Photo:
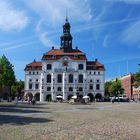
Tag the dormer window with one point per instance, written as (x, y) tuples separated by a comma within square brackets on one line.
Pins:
[(75, 56), (54, 56)]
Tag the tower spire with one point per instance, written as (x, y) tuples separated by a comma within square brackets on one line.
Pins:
[(66, 16)]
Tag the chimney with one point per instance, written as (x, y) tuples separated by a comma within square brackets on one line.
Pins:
[(96, 59), (52, 47)]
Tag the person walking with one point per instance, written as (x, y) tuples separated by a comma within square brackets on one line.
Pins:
[(16, 100)]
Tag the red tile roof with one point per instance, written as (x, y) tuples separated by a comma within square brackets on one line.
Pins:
[(57, 54), (95, 65), (34, 66)]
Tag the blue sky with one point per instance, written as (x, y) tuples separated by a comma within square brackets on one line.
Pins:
[(105, 29)]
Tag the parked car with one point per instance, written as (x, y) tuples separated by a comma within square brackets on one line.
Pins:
[(120, 99)]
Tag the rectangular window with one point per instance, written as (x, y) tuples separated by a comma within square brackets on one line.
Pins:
[(48, 88), (91, 87), (59, 89), (80, 78), (80, 89), (59, 78), (97, 86), (36, 86), (30, 86), (81, 67), (49, 66), (70, 89)]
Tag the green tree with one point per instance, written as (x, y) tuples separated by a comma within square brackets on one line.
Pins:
[(137, 78), (113, 88), (117, 87), (7, 75), (18, 88), (108, 88)]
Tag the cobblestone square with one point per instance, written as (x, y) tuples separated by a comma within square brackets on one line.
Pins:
[(62, 121)]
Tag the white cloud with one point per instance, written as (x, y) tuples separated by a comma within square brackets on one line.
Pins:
[(17, 46), (131, 34), (55, 10), (11, 18), (52, 14), (106, 41), (45, 40)]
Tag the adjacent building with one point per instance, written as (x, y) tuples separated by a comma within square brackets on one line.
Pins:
[(64, 72), (127, 82)]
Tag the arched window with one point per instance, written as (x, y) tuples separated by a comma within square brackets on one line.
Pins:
[(49, 66), (80, 78), (49, 78), (70, 78), (59, 78)]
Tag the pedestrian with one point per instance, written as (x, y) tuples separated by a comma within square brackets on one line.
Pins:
[(33, 101), (16, 100), (112, 100)]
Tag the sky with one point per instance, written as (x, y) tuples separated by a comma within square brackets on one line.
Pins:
[(105, 29)]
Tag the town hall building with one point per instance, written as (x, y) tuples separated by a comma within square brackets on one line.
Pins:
[(64, 72)]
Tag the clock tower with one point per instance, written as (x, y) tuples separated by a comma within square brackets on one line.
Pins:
[(66, 38)]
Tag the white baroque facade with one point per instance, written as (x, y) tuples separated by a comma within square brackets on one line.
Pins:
[(64, 72)]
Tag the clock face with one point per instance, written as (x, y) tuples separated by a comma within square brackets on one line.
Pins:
[(65, 61)]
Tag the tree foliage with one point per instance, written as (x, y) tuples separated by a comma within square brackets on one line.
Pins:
[(113, 88), (137, 78), (17, 88), (7, 75)]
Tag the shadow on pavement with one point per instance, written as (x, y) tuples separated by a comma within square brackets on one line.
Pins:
[(21, 120), (19, 109), (23, 105)]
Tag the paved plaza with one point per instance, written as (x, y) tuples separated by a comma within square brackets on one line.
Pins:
[(62, 121)]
